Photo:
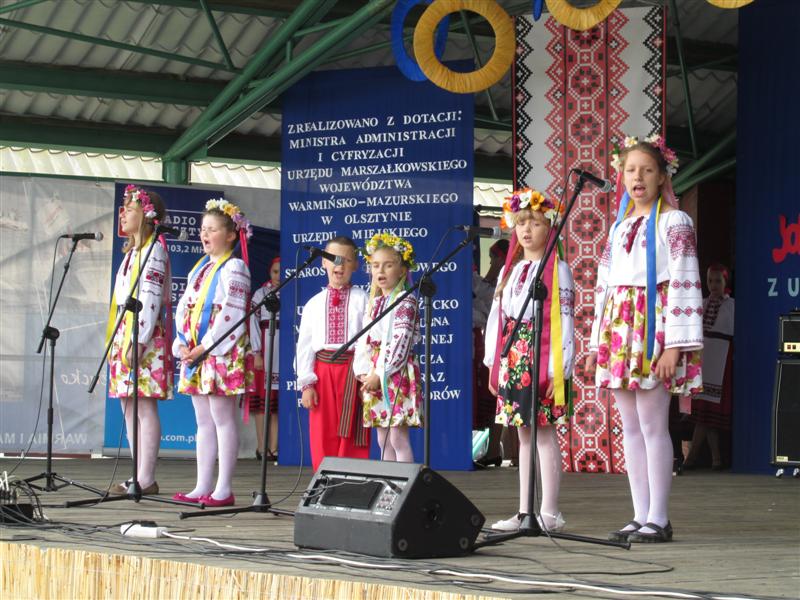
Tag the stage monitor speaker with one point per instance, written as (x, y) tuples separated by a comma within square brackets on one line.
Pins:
[(786, 414), (385, 509), (789, 332)]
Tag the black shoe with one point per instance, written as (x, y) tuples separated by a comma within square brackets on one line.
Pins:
[(622, 535), (484, 462), (258, 456), (659, 535)]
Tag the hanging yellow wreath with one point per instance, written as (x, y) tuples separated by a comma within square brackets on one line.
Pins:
[(475, 81), (729, 3), (581, 19)]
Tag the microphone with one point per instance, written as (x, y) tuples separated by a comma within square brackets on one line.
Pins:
[(604, 184), (475, 231), (173, 231), (76, 237), (337, 260)]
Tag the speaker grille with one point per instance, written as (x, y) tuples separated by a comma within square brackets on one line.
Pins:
[(786, 414)]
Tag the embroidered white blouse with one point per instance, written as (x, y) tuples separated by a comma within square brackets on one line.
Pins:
[(676, 263), (324, 326), (152, 283), (396, 343), (513, 299), (231, 295)]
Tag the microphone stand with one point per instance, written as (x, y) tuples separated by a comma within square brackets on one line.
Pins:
[(51, 333), (427, 289), (261, 502), (537, 292), (133, 306)]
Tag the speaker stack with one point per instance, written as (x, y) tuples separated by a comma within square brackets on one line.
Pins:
[(786, 399), (388, 509)]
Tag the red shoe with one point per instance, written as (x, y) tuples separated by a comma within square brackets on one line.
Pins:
[(184, 498), (214, 503)]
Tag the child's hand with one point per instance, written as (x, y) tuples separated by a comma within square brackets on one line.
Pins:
[(371, 383), (182, 352), (258, 362), (665, 367), (129, 357), (591, 363), (550, 389), (193, 354), (310, 400)]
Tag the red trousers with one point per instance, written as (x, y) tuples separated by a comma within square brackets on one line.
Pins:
[(324, 419)]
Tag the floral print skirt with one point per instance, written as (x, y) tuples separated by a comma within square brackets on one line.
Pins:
[(514, 384), (154, 380), (228, 375), (404, 406), (622, 345)]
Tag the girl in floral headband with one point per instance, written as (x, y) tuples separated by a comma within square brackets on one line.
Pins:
[(385, 362), (216, 297), (648, 327), (141, 211), (531, 216)]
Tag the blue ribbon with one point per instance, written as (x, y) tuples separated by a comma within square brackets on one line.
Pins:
[(405, 63), (537, 9), (651, 279)]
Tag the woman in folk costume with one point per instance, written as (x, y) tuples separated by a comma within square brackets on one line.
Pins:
[(142, 211), (256, 402), (216, 297), (648, 328), (532, 216), (711, 409), (385, 360)]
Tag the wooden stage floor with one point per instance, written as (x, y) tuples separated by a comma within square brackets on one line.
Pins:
[(734, 534)]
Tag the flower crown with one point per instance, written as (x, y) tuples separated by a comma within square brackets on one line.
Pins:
[(233, 211), (527, 199), (141, 197), (655, 140), (387, 240)]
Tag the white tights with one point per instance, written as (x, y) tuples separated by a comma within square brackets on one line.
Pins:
[(149, 436), (648, 452), (549, 463), (217, 435), (395, 444)]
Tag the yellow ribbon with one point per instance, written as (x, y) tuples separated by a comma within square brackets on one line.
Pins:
[(112, 312), (556, 346), (197, 311)]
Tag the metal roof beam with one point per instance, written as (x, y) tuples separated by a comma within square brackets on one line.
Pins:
[(97, 83), (19, 5), (266, 54), (217, 35), (106, 138), (78, 37), (256, 99)]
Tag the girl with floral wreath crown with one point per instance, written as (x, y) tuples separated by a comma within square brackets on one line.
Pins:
[(216, 296), (385, 361), (142, 210), (648, 327), (531, 217)]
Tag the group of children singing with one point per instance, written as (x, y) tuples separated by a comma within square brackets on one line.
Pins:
[(645, 341)]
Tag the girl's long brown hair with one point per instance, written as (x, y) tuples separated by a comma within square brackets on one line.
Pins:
[(146, 227)]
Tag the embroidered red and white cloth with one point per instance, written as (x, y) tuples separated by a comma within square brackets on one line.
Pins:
[(576, 95), (341, 322)]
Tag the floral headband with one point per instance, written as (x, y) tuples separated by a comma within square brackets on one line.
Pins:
[(527, 199), (233, 211), (398, 244), (655, 140), (142, 198)]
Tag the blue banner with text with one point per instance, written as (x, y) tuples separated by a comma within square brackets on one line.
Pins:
[(368, 151)]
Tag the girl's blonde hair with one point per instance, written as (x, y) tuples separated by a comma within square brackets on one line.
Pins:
[(147, 225)]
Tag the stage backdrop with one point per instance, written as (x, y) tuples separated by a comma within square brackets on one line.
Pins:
[(185, 208), (367, 151), (576, 94), (767, 218)]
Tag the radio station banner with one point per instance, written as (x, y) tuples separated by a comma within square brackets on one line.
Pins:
[(185, 211), (367, 151)]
